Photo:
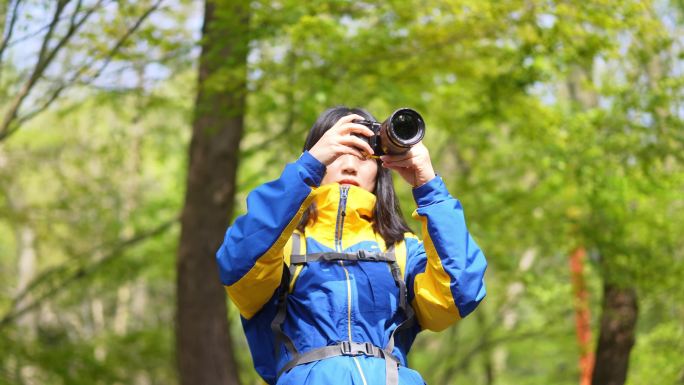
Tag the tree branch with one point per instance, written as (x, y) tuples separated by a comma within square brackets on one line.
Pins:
[(61, 4), (9, 30), (72, 20), (75, 78), (31, 35), (80, 272), (45, 57), (122, 40), (484, 344)]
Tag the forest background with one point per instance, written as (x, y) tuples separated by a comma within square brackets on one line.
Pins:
[(131, 132)]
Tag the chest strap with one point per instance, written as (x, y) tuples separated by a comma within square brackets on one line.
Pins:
[(343, 348), (361, 255), (346, 348)]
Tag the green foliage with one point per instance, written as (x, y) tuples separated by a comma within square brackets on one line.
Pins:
[(542, 121), (98, 182)]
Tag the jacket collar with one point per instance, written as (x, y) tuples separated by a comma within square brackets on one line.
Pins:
[(356, 223)]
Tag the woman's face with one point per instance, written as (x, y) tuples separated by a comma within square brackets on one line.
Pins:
[(351, 170)]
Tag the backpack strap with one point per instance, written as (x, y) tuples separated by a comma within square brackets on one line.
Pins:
[(404, 306), (277, 324), (361, 255), (344, 348)]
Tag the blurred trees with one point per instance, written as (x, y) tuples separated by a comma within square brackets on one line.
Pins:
[(88, 203), (557, 124), (545, 124)]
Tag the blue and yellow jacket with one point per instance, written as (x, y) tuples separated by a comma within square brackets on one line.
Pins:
[(333, 302)]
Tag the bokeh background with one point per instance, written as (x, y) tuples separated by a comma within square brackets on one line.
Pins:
[(132, 131)]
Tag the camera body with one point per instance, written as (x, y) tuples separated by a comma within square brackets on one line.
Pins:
[(397, 134)]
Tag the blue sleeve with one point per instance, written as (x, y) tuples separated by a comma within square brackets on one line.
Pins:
[(250, 258), (446, 270)]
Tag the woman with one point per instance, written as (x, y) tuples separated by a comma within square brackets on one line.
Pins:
[(331, 284)]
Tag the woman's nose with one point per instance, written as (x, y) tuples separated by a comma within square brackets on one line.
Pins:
[(349, 164)]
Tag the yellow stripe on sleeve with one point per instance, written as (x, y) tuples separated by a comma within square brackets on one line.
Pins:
[(433, 303)]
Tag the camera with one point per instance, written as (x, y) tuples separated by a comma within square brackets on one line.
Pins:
[(397, 134)]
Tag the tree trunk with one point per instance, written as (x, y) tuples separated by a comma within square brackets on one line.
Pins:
[(619, 310), (618, 323), (582, 315), (202, 334)]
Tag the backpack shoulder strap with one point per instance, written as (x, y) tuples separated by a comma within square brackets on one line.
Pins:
[(398, 269), (400, 255), (293, 247), (296, 245), (295, 259)]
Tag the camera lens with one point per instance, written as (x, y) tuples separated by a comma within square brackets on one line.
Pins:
[(405, 126), (403, 129)]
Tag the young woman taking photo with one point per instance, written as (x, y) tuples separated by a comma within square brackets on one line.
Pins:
[(331, 284)]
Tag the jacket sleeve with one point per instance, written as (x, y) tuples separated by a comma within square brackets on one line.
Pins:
[(445, 272), (250, 259)]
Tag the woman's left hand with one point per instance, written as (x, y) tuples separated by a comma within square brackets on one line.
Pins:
[(414, 166)]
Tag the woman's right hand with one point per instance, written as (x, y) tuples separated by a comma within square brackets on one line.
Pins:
[(339, 140)]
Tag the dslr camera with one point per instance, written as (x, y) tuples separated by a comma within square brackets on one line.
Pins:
[(397, 134)]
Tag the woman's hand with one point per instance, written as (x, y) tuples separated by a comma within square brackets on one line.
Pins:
[(414, 166), (338, 140)]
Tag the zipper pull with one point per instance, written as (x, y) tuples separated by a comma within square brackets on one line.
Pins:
[(343, 201)]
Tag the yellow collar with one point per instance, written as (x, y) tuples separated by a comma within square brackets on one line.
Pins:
[(357, 222)]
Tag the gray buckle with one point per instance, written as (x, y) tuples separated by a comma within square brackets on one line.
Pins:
[(365, 256), (354, 349), (346, 348)]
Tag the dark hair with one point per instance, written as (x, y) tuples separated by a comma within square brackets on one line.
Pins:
[(388, 219)]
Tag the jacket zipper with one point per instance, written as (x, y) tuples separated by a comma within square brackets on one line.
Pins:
[(339, 226), (341, 213)]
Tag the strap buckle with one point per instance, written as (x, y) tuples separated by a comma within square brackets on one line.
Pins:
[(366, 256), (346, 348), (354, 349)]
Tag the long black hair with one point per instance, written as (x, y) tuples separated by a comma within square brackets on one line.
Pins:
[(388, 219)]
